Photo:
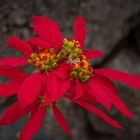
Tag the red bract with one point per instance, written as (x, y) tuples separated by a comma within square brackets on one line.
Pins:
[(21, 46), (16, 77), (37, 106), (87, 84), (46, 60), (36, 118), (32, 85)]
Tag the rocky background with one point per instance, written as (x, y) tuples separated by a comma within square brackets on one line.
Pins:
[(114, 27)]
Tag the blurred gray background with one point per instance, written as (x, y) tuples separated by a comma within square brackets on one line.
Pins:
[(113, 27)]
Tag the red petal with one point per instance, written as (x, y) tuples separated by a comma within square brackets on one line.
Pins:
[(72, 87), (120, 105), (47, 29), (62, 71), (34, 124), (61, 120), (87, 98), (97, 111), (12, 73), (13, 61), (13, 113), (8, 89), (129, 79), (106, 82), (95, 89), (29, 89), (90, 54), (51, 84), (80, 30), (62, 88), (49, 35), (109, 91), (79, 89), (20, 45), (45, 22), (37, 42)]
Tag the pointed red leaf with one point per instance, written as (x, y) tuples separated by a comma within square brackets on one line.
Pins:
[(45, 22), (49, 35), (120, 105), (13, 61), (20, 45), (72, 88), (61, 120), (37, 42), (29, 89), (51, 84), (109, 91), (129, 79), (13, 113), (8, 89), (62, 72), (96, 111), (107, 82), (12, 73), (79, 89), (62, 88), (85, 97), (90, 54), (34, 124), (80, 30), (89, 99), (95, 89)]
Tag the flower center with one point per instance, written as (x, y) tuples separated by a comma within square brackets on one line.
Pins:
[(73, 54), (45, 60), (41, 100)]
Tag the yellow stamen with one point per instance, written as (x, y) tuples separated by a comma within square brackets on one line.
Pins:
[(74, 55), (45, 60)]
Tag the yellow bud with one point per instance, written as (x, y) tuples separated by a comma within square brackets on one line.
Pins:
[(54, 65), (74, 55), (76, 66), (69, 50), (83, 56), (86, 77), (29, 61), (70, 44), (74, 73), (81, 74), (33, 55), (65, 41), (43, 66), (51, 50), (48, 68), (42, 55)]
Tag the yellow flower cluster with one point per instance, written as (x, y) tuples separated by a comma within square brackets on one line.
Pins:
[(74, 56), (46, 60), (71, 53)]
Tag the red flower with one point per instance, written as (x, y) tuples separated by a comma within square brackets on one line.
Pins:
[(62, 67), (46, 60), (48, 85), (87, 84)]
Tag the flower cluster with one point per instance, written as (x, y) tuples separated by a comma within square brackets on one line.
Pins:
[(63, 70)]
